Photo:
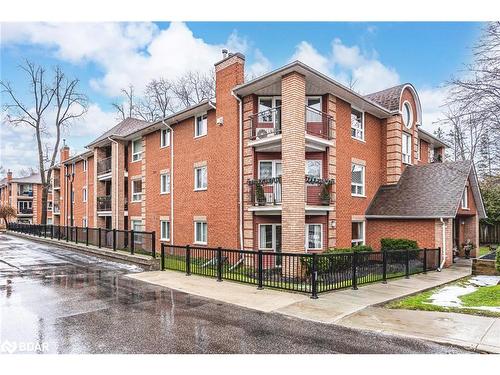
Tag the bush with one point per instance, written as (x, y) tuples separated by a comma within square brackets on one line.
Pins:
[(498, 259), (395, 244), (340, 260)]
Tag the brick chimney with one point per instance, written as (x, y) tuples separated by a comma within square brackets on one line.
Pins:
[(9, 175), (64, 152)]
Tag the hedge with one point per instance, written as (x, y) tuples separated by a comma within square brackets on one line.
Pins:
[(498, 259), (340, 262), (394, 244)]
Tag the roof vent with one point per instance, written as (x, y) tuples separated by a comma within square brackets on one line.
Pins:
[(224, 53)]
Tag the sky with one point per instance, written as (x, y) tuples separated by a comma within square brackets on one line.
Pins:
[(106, 57)]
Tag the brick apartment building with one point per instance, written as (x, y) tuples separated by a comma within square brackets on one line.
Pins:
[(291, 161)]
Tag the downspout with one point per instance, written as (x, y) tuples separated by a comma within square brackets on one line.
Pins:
[(443, 242), (87, 187), (117, 183), (240, 119), (171, 180)]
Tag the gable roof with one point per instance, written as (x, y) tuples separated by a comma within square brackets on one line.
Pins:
[(126, 127), (427, 191), (388, 98)]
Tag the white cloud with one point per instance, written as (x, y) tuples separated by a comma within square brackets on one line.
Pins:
[(306, 53), (259, 66), (432, 100)]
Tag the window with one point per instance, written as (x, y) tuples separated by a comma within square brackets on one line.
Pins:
[(269, 169), (313, 112), (358, 233), (84, 222), (407, 115), (49, 221), (313, 168), (465, 198), (200, 178), (358, 180), (200, 128), (200, 232), (84, 194), (314, 236), (165, 183), (85, 165), (406, 148), (165, 230), (357, 124), (137, 149), (136, 190), (265, 109), (49, 205), (165, 138), (270, 237), (137, 227)]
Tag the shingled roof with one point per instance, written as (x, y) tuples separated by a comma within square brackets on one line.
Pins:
[(388, 98), (427, 191), (128, 126)]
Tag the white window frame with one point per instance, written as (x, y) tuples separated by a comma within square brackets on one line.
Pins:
[(273, 237), (165, 186), (203, 225), (136, 155), (84, 222), (162, 230), (362, 130), (363, 184), (85, 165), (164, 141), (200, 188), (136, 196), (133, 225), (314, 113), (273, 100), (464, 203), (406, 143), (196, 135), (320, 167), (359, 241), (84, 194), (307, 236), (274, 169), (406, 104)]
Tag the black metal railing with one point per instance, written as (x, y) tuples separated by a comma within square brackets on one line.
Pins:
[(25, 211), (318, 123), (318, 191), (28, 193), (299, 272), (130, 241), (265, 192), (104, 166), (266, 123), (104, 203)]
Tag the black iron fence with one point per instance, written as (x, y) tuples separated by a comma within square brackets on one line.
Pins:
[(299, 272), (489, 234), (130, 241)]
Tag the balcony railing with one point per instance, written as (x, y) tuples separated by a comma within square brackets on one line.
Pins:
[(104, 166), (318, 191), (266, 123), (104, 203), (25, 211), (266, 191), (318, 123), (25, 193)]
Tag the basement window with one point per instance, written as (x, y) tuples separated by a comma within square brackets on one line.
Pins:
[(358, 233)]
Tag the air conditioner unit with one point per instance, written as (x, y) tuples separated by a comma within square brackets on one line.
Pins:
[(262, 133)]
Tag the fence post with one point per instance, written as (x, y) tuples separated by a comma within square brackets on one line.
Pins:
[(67, 234), (384, 267), (354, 271), (188, 260), (99, 239), (260, 270), (439, 258), (153, 246), (45, 231), (87, 236), (52, 231), (407, 264), (425, 260), (114, 239), (59, 232), (219, 264), (162, 257), (132, 242), (76, 234), (314, 277)]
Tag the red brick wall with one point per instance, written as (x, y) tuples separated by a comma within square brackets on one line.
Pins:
[(424, 152), (134, 170), (422, 231)]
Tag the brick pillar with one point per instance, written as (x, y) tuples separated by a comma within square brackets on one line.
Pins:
[(332, 171), (248, 169), (293, 92), (117, 184), (143, 179), (99, 187), (394, 149)]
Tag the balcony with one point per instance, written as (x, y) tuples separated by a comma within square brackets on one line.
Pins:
[(104, 168), (57, 183), (266, 129), (265, 192), (25, 194), (24, 211), (55, 209), (104, 203)]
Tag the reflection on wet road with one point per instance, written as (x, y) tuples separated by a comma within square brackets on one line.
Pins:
[(54, 300)]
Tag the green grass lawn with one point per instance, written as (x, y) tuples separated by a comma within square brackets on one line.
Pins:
[(483, 250), (484, 296)]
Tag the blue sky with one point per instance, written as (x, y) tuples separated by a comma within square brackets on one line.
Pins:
[(106, 57)]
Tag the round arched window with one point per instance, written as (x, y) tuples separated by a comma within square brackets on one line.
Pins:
[(407, 115)]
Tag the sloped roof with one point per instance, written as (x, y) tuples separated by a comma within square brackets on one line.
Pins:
[(126, 127), (32, 179), (388, 98), (427, 191)]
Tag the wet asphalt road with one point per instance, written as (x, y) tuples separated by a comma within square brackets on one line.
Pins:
[(54, 300)]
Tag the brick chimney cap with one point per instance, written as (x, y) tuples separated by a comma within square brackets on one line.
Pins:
[(229, 56)]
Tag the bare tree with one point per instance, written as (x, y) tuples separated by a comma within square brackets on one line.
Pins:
[(25, 172), (128, 107), (157, 102), (193, 87), (61, 98)]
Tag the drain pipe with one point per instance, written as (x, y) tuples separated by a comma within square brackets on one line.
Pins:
[(240, 119), (117, 183), (171, 180), (443, 242)]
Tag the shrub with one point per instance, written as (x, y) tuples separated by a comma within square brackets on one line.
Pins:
[(498, 259), (395, 244), (339, 260)]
